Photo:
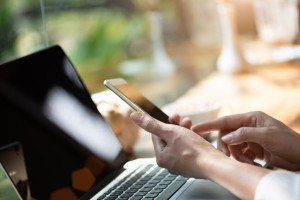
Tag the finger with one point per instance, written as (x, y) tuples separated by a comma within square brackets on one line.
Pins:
[(256, 149), (221, 145), (186, 122), (249, 154), (246, 134), (174, 119), (278, 161), (151, 125), (237, 153), (244, 145), (231, 122)]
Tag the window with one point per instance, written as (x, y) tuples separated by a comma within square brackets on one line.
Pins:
[(109, 39)]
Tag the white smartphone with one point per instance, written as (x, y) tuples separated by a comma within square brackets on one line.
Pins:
[(135, 99)]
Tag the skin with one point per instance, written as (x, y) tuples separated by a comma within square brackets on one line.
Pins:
[(255, 135), (184, 152)]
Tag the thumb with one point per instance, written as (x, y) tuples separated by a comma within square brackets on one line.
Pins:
[(149, 124), (245, 134)]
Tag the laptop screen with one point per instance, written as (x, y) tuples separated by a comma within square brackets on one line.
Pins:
[(68, 146)]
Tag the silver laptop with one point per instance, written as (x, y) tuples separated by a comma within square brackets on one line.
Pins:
[(7, 187), (12, 159), (70, 151)]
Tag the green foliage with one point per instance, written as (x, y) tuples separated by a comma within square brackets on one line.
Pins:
[(7, 35), (106, 41)]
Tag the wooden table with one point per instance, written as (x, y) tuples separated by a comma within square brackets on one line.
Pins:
[(274, 90)]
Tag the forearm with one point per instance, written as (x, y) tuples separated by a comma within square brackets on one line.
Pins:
[(239, 178)]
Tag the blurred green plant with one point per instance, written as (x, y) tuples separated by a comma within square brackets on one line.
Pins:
[(102, 46), (95, 38), (7, 34), (106, 41)]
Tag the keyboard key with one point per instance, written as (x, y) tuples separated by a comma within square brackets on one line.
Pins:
[(156, 190), (136, 198), (140, 194), (154, 181), (151, 195), (145, 189), (161, 187), (133, 190), (138, 186), (126, 195), (165, 182), (146, 183), (151, 185), (171, 190)]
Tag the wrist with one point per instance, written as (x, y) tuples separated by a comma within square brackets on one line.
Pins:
[(239, 178), (209, 163)]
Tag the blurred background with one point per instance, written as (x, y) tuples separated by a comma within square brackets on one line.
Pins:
[(161, 47)]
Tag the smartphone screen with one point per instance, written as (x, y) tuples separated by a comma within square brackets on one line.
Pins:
[(135, 99)]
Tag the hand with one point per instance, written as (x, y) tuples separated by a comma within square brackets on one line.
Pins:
[(175, 119), (178, 149), (183, 152), (256, 135)]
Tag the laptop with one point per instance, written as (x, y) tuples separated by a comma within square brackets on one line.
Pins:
[(12, 159), (69, 149), (7, 187)]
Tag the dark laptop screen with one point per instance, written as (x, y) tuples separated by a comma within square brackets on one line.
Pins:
[(68, 146)]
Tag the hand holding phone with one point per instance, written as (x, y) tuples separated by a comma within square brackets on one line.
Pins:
[(135, 99)]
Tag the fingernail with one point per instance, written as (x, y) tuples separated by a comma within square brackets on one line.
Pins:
[(227, 138), (136, 116)]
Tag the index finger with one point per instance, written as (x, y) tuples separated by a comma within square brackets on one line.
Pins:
[(151, 125), (231, 122)]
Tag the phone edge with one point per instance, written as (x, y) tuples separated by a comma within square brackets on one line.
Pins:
[(133, 105)]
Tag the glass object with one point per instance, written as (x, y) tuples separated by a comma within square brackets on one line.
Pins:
[(276, 20), (231, 59), (162, 65)]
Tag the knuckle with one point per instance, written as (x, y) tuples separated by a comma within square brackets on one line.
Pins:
[(258, 113), (257, 118), (149, 124), (253, 120), (242, 133), (160, 162)]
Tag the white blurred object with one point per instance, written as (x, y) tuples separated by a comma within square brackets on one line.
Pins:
[(231, 59), (277, 20), (162, 65), (198, 110), (258, 53), (286, 53)]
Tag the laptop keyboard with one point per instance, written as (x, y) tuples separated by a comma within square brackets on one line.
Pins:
[(146, 182)]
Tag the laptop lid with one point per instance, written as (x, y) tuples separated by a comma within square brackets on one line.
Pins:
[(69, 148), (7, 187)]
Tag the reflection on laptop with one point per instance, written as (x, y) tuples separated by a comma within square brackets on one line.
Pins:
[(70, 150)]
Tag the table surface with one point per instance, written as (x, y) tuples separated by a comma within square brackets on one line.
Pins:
[(272, 89)]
